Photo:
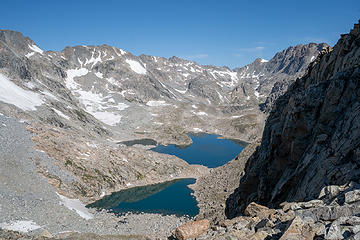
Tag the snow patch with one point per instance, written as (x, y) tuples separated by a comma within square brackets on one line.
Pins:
[(60, 114), (185, 74), (13, 94), (197, 129), (156, 103), (180, 91), (95, 104), (75, 204), (36, 49), (71, 74), (29, 85), (48, 94), (312, 58), (93, 60), (136, 66), (20, 226), (107, 117), (264, 60), (99, 74), (201, 113), (29, 54)]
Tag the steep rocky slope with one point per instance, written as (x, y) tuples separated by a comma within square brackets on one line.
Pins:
[(312, 135)]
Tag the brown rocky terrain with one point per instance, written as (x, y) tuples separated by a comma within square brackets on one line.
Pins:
[(102, 168)]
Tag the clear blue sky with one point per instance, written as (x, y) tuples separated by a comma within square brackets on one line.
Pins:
[(218, 32)]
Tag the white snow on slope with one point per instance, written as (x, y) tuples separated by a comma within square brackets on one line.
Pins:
[(200, 113), (263, 60), (95, 103), (36, 49), (21, 226), (99, 74), (180, 91), (312, 58), (197, 129), (136, 66), (70, 83), (156, 103), (61, 114), (109, 118), (93, 60), (75, 204), (29, 54), (13, 94)]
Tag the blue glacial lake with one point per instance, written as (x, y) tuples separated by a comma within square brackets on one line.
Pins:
[(173, 197), (165, 198), (207, 150)]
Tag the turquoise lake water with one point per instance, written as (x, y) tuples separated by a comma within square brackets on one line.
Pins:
[(173, 197)]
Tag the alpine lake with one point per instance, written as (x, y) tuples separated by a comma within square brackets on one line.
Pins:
[(173, 197)]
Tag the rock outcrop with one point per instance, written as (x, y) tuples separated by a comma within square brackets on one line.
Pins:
[(312, 136), (327, 217), (192, 229)]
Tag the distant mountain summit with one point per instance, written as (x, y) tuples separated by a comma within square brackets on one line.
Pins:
[(267, 80)]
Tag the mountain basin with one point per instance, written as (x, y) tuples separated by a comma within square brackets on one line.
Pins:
[(173, 197)]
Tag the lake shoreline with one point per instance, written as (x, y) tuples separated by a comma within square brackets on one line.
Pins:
[(214, 150)]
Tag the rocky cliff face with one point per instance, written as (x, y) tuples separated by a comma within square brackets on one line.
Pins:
[(312, 135)]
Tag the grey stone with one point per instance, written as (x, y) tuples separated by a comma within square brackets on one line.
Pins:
[(352, 196)]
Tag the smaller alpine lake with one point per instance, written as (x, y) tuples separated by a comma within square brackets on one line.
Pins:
[(173, 197), (207, 149)]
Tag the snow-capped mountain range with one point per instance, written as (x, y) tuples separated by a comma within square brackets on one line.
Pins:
[(108, 91)]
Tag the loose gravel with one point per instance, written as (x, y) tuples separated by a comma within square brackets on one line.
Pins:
[(26, 196)]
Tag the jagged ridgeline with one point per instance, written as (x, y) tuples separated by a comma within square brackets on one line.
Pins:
[(312, 135), (109, 91)]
